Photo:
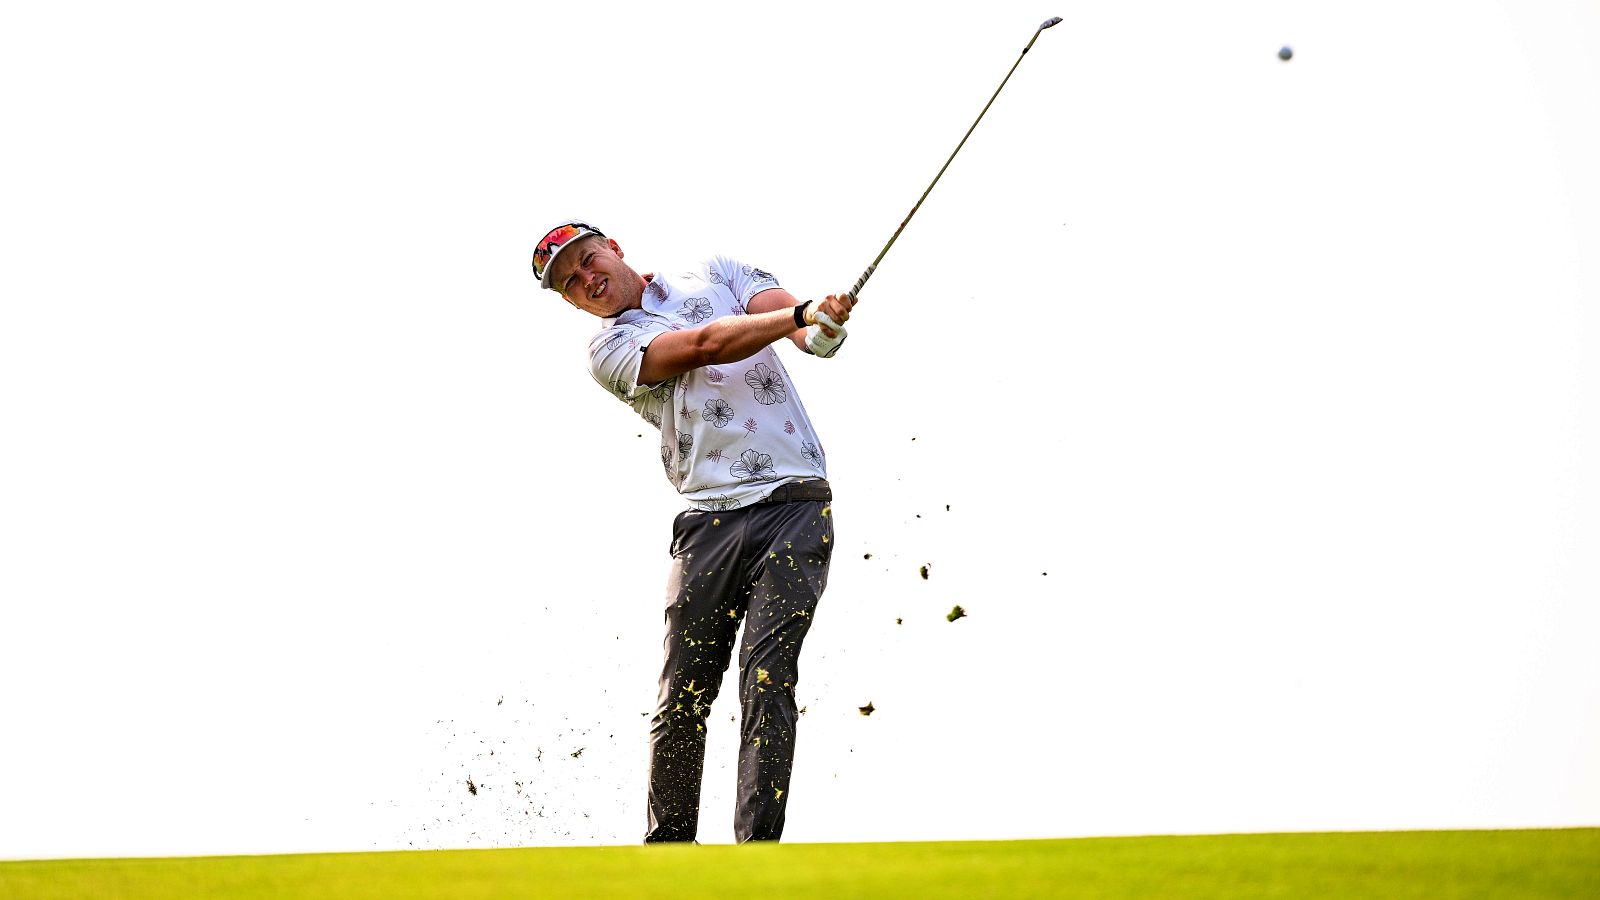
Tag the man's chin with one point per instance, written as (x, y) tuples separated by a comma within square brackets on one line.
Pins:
[(623, 306)]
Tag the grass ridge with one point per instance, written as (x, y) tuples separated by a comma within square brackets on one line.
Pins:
[(1488, 863)]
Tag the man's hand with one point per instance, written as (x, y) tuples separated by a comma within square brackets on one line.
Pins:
[(827, 332), (826, 337), (831, 312)]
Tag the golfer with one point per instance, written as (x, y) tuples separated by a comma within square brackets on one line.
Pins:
[(692, 353)]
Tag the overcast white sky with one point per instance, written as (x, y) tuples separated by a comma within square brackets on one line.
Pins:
[(1250, 408)]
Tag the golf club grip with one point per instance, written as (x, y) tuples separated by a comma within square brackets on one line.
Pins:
[(862, 281)]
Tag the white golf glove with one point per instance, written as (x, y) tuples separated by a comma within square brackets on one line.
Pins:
[(820, 344)]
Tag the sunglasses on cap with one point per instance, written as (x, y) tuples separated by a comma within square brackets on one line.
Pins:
[(546, 251)]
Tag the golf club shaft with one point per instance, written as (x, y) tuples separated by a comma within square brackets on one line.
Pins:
[(861, 282)]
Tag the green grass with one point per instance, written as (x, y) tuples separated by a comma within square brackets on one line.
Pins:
[(1420, 864)]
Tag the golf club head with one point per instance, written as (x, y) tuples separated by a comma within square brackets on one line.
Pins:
[(1053, 20)]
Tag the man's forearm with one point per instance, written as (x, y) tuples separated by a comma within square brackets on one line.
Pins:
[(732, 338)]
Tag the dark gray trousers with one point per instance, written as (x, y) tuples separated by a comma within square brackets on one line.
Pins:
[(766, 565)]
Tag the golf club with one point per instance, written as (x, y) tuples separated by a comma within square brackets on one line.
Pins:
[(861, 282)]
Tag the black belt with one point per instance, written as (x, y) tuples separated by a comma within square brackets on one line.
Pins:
[(815, 489)]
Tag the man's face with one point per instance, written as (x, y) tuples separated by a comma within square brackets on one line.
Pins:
[(591, 275)]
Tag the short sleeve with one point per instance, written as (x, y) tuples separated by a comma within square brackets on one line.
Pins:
[(615, 356), (743, 280)]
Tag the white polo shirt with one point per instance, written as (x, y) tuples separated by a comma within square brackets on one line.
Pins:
[(729, 433)]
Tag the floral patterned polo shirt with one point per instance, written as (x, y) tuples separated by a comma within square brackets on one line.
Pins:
[(729, 433)]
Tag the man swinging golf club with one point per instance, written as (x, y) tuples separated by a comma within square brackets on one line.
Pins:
[(692, 354)]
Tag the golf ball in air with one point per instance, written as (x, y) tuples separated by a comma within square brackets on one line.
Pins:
[(1285, 53)]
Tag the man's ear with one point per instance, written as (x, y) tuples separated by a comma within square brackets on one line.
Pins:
[(615, 247)]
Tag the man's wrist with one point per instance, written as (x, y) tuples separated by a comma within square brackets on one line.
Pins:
[(800, 314)]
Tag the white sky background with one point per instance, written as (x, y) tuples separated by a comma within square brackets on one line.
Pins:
[(1284, 373)]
